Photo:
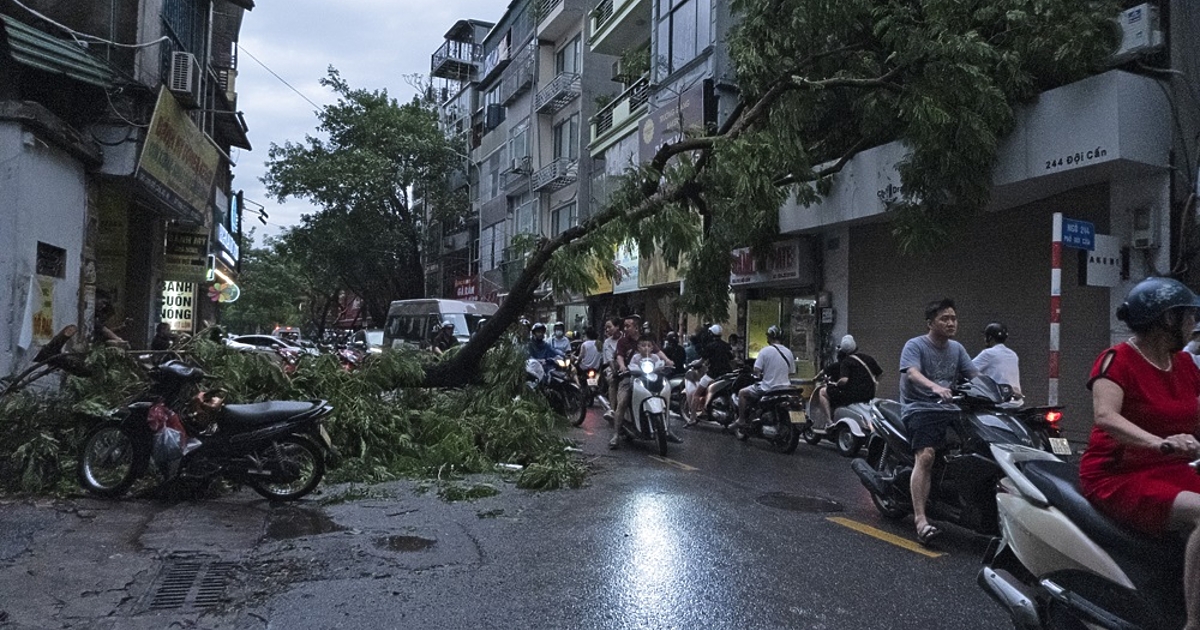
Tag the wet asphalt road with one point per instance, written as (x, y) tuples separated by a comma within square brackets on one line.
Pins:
[(720, 534)]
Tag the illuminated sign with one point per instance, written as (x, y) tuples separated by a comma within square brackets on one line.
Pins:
[(178, 305)]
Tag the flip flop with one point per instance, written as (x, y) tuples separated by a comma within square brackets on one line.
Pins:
[(926, 535)]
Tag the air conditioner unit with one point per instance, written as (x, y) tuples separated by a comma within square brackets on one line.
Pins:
[(519, 164), (184, 78), (1141, 32)]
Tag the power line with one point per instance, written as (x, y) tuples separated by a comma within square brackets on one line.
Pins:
[(281, 79)]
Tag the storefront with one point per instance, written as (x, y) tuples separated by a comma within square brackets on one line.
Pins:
[(779, 290)]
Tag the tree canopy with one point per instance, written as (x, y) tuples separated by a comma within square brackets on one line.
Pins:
[(378, 166)]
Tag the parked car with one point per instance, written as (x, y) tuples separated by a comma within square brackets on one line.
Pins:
[(267, 343), (368, 340)]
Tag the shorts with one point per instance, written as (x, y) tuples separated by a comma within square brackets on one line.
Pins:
[(927, 429)]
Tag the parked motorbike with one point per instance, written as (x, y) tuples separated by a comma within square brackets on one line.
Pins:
[(848, 428), (777, 417), (278, 448), (964, 474), (649, 403), (350, 357), (1059, 563), (554, 378)]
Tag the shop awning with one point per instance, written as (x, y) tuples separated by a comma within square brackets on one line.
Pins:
[(35, 49)]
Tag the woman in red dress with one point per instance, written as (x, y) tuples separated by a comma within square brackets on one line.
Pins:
[(1146, 395)]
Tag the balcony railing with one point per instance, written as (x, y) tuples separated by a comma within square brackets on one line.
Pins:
[(601, 15), (456, 60), (625, 104), (555, 96), (556, 175)]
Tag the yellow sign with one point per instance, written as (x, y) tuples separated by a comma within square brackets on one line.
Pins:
[(43, 318), (760, 315), (654, 271), (178, 163)]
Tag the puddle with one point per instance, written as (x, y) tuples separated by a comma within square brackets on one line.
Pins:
[(295, 522), (798, 503), (404, 543)]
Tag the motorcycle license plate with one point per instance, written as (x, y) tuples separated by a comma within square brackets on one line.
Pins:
[(593, 381), (1060, 446), (325, 436), (797, 416)]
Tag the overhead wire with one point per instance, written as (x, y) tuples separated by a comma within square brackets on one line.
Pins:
[(281, 79), (77, 35)]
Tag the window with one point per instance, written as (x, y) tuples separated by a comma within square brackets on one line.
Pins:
[(566, 138), (684, 28), (492, 171), (562, 218), (51, 261), (487, 251), (567, 59), (518, 141), (526, 219)]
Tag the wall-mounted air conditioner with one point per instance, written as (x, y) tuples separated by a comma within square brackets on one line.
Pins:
[(1141, 32), (520, 165), (184, 79)]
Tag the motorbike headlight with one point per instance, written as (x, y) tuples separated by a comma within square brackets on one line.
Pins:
[(562, 363), (647, 366)]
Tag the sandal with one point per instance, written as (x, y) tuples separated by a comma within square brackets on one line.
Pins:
[(926, 535)]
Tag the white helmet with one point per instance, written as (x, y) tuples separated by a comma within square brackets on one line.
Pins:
[(715, 329)]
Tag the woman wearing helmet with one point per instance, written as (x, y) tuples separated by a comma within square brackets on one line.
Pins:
[(1146, 396), (560, 341), (997, 361)]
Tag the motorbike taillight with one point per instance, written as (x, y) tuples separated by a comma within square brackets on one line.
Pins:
[(1053, 417)]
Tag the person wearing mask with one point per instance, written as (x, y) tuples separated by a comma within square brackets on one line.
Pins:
[(538, 348), (612, 335), (774, 364), (851, 380), (675, 351), (929, 366), (1146, 398), (445, 338), (626, 348), (997, 361), (560, 341)]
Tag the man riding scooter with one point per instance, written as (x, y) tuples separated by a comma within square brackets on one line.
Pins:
[(626, 348), (774, 364)]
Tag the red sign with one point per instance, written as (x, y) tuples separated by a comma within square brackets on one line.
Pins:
[(466, 289), (783, 264)]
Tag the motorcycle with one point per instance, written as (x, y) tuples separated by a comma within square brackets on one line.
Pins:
[(596, 380), (554, 379), (721, 408), (279, 448), (964, 474), (649, 403), (847, 429), (350, 357), (1044, 424), (1059, 563), (777, 418)]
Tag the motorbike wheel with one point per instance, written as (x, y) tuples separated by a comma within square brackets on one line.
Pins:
[(574, 406), (659, 422), (811, 437), (720, 410), (848, 444), (787, 436), (108, 461), (295, 466), (887, 507)]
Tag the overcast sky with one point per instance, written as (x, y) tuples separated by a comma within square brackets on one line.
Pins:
[(373, 43)]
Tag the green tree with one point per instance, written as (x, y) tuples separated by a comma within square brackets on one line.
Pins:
[(273, 287), (367, 235), (820, 81)]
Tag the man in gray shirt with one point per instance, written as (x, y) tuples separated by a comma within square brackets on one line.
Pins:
[(929, 366)]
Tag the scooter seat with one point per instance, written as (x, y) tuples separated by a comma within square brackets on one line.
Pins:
[(1059, 481), (266, 412), (890, 410)]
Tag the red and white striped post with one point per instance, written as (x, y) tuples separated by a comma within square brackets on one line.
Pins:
[(1055, 305)]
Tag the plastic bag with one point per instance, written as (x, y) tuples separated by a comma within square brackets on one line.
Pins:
[(170, 439)]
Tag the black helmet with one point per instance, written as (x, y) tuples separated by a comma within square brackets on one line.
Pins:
[(538, 326), (774, 333), (672, 336), (1152, 297), (997, 331)]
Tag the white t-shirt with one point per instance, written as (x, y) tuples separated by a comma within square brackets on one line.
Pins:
[(776, 366), (610, 350), (1000, 363), (589, 355)]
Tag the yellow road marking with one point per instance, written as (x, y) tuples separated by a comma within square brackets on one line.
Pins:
[(910, 545), (674, 463)]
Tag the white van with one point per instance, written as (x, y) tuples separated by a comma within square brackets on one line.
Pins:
[(415, 322)]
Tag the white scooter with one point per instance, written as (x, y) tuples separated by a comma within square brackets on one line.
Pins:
[(848, 428), (1059, 563), (649, 403)]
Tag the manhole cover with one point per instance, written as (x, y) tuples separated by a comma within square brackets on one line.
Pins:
[(798, 503), (294, 522), (404, 543), (190, 584)]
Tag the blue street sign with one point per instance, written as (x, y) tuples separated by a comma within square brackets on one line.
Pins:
[(1078, 234)]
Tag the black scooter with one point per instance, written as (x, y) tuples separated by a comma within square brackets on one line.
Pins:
[(964, 473), (777, 417), (278, 448)]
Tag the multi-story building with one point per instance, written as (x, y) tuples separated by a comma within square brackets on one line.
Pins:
[(116, 123)]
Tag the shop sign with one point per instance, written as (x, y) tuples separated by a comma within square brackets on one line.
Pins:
[(229, 247), (668, 123), (782, 265), (178, 305), (43, 318), (627, 262), (466, 289), (178, 163), (604, 284), (1104, 262), (654, 271), (186, 255)]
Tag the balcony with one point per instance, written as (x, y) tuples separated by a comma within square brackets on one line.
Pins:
[(558, 18), (495, 61), (556, 175), (516, 176), (558, 94), (615, 26), (619, 118), (456, 60), (519, 76)]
